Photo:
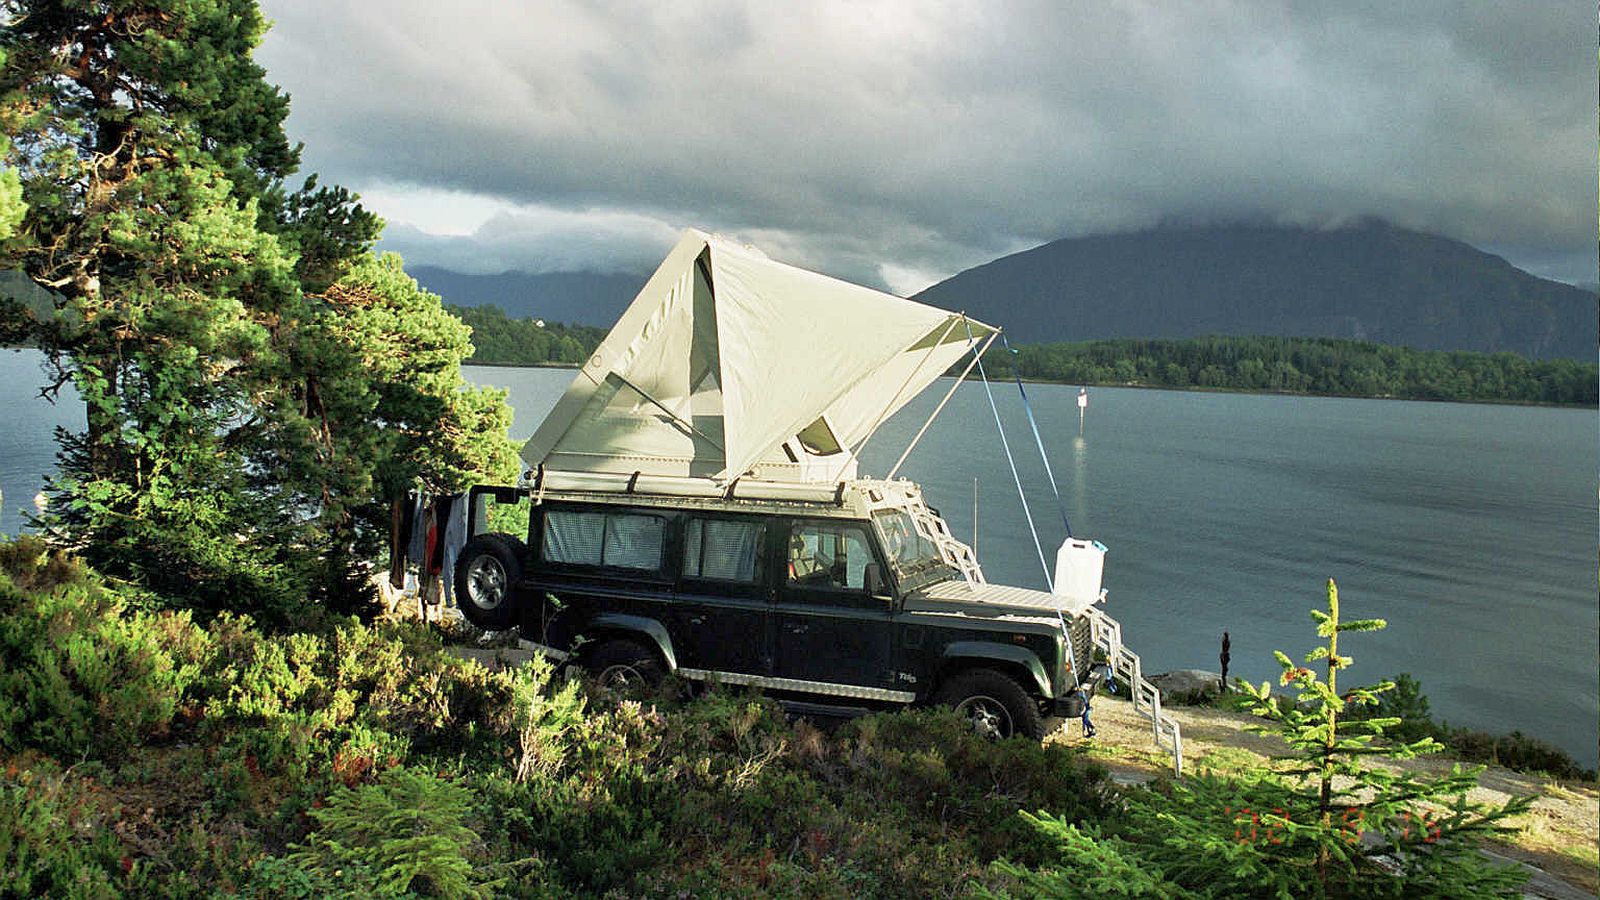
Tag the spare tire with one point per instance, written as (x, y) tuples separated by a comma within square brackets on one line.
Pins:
[(486, 577)]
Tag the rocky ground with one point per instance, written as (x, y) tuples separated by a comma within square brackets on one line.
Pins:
[(1559, 838)]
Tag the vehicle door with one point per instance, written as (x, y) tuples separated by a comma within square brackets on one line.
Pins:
[(721, 618), (830, 627), (596, 559)]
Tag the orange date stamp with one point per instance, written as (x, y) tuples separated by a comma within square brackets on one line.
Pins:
[(1251, 828)]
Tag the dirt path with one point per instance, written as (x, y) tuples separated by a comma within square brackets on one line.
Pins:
[(1560, 836)]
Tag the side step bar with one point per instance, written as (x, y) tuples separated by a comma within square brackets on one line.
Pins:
[(808, 708)]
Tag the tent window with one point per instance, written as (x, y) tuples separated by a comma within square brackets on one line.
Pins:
[(818, 439), (613, 540), (722, 550)]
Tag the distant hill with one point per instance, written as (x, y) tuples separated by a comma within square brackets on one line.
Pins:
[(576, 298), (1372, 281)]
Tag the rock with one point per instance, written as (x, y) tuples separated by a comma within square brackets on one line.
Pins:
[(1187, 685)]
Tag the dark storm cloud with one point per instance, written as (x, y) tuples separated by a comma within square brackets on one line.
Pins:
[(899, 142)]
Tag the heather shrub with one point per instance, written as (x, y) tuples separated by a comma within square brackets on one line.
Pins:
[(53, 836), (404, 835), (583, 790), (82, 674)]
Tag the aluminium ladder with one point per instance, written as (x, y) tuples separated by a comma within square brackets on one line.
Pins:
[(951, 550), (1106, 634)]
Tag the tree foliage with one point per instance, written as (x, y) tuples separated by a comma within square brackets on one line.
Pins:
[(256, 386), (1323, 366), (11, 205)]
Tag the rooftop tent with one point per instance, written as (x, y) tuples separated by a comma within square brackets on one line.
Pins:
[(727, 362)]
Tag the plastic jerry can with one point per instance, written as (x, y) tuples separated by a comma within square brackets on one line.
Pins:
[(1079, 567)]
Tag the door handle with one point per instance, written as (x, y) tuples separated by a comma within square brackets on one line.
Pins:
[(697, 620), (794, 628)]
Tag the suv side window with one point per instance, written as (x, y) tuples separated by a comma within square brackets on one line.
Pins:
[(829, 555), (615, 540), (723, 549)]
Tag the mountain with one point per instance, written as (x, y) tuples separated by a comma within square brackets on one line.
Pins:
[(1372, 281), (576, 298)]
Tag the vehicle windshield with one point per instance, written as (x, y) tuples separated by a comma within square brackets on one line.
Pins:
[(915, 559)]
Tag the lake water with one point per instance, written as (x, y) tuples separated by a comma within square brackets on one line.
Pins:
[(1472, 529)]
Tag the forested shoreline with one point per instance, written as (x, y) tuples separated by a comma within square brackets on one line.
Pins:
[(500, 340), (1317, 366), (1313, 366)]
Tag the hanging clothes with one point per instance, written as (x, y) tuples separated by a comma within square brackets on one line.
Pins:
[(417, 546), (455, 538), (431, 547), (399, 538)]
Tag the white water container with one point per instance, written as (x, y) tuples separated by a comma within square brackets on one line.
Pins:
[(1079, 566)]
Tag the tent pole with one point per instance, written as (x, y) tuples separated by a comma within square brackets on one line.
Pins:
[(675, 417), (936, 410)]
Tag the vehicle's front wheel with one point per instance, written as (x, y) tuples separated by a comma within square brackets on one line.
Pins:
[(486, 576), (995, 705), (625, 665)]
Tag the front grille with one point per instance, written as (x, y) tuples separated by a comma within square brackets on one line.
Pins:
[(1081, 638)]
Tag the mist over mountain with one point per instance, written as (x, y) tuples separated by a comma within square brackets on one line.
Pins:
[(576, 298), (1371, 281)]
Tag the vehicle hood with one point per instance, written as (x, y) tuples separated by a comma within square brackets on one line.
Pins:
[(952, 595)]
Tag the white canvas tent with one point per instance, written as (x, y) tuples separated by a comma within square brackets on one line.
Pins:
[(728, 364)]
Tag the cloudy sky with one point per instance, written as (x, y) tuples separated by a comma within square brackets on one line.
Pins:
[(896, 143)]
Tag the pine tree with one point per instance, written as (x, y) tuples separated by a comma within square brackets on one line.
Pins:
[(405, 836), (1326, 824), (380, 407), (1340, 806), (201, 312), (165, 281)]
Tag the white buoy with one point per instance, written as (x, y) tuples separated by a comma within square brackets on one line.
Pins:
[(1083, 404), (39, 502)]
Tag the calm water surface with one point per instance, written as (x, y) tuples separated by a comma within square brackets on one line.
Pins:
[(1472, 529)]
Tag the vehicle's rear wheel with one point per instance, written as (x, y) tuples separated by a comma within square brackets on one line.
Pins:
[(486, 576), (995, 705), (625, 665)]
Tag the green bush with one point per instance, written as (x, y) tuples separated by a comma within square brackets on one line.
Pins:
[(82, 674), (1409, 705), (1517, 751), (405, 835), (53, 837), (363, 760)]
